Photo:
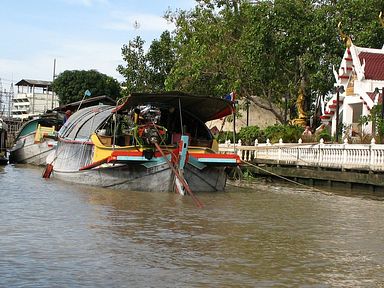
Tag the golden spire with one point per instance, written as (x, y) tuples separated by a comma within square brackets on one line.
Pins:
[(346, 39), (381, 19)]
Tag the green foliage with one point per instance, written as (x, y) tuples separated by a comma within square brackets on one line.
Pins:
[(71, 85), (377, 121), (265, 48), (136, 72), (325, 135), (249, 134), (224, 136), (288, 133), (147, 72)]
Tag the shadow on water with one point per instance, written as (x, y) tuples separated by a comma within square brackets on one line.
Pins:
[(358, 191)]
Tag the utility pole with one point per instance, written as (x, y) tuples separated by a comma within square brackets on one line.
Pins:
[(1, 98), (53, 79), (10, 100)]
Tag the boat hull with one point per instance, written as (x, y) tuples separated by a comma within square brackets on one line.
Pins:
[(139, 178), (133, 178), (26, 151), (3, 160)]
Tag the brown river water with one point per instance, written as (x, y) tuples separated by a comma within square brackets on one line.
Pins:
[(54, 234)]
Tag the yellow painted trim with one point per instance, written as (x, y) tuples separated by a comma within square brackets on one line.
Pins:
[(43, 131), (101, 151)]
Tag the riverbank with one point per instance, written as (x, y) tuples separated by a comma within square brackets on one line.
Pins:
[(316, 164), (320, 177)]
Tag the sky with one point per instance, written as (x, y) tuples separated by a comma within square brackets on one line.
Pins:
[(79, 34)]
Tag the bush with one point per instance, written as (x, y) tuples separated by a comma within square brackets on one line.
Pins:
[(288, 133), (325, 135), (249, 134), (225, 135)]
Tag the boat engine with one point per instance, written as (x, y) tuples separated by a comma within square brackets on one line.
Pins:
[(149, 114), (150, 135), (147, 117)]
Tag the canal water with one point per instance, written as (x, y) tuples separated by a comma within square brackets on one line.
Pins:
[(54, 234)]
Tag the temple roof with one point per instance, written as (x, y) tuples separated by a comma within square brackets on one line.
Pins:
[(372, 95), (374, 65)]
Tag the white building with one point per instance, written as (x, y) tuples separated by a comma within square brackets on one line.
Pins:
[(33, 97), (361, 72)]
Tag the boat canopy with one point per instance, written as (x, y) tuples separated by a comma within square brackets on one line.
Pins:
[(83, 123), (205, 108)]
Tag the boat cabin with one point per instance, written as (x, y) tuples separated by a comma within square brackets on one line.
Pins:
[(146, 118)]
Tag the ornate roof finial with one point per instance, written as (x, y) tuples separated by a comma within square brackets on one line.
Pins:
[(346, 39), (381, 18)]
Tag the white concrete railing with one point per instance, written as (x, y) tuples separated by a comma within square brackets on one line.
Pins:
[(338, 156)]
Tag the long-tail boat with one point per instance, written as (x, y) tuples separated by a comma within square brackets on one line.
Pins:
[(147, 142), (37, 137), (35, 140)]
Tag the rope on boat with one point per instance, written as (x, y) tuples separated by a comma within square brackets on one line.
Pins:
[(198, 203), (287, 179)]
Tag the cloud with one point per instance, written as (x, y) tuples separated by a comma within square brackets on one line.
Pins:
[(87, 3), (141, 22), (71, 54)]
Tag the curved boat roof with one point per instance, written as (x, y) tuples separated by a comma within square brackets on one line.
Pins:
[(205, 108), (86, 121)]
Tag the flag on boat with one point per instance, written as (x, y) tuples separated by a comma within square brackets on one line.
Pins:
[(87, 93), (230, 96)]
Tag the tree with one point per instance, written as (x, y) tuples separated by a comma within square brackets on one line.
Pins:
[(206, 42), (273, 49), (136, 72), (146, 72), (160, 58), (71, 85), (270, 49)]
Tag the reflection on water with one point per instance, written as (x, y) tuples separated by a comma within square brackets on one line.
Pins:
[(54, 234)]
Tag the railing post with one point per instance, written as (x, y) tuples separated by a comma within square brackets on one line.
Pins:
[(255, 151), (239, 150), (371, 156), (298, 153), (320, 158), (279, 152), (344, 162)]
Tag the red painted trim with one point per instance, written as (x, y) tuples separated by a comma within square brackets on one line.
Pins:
[(348, 59), (95, 164), (117, 153), (76, 142), (332, 106), (344, 76), (215, 156)]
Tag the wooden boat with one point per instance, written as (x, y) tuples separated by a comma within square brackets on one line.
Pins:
[(35, 140), (37, 137), (150, 142), (3, 143)]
